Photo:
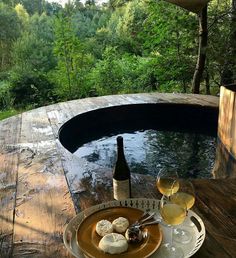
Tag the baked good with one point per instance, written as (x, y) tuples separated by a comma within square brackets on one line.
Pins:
[(120, 224), (104, 227), (113, 243)]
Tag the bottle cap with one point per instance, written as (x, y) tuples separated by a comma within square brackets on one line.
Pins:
[(119, 139)]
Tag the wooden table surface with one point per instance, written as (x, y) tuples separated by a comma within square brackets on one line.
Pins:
[(43, 186)]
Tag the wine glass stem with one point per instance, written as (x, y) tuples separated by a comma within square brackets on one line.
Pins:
[(171, 235)]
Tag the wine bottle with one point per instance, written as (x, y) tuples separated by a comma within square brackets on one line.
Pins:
[(121, 174)]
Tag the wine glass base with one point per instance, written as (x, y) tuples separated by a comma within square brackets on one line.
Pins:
[(182, 236), (170, 251)]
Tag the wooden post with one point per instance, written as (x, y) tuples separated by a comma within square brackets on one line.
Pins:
[(225, 164)]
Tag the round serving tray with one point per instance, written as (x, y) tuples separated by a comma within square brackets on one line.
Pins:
[(193, 223)]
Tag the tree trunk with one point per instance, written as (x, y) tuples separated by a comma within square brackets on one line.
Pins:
[(203, 36), (207, 81)]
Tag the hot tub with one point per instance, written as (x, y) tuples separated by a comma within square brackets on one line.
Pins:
[(196, 120)]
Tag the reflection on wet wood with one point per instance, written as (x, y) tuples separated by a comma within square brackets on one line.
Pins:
[(9, 137), (42, 167), (215, 203), (43, 204)]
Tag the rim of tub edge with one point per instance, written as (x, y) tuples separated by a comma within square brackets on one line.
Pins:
[(94, 121)]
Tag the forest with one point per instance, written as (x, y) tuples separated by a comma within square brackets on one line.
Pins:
[(51, 53)]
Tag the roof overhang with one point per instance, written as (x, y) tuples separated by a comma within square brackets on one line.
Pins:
[(191, 5)]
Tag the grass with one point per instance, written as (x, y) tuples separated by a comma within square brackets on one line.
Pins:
[(8, 113)]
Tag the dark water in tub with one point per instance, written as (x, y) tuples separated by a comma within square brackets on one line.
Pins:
[(148, 151)]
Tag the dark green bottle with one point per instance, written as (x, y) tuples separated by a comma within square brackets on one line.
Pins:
[(121, 174)]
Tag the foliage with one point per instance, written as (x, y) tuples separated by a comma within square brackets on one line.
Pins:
[(122, 74), (219, 40), (169, 35), (8, 21), (33, 51), (50, 53), (6, 100), (73, 61), (22, 14), (33, 6), (7, 113), (131, 24), (31, 89)]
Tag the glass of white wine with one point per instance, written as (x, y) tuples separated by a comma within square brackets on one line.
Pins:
[(185, 197), (167, 182), (172, 214)]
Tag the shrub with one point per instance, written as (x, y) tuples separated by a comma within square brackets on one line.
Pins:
[(6, 99), (118, 73), (32, 89)]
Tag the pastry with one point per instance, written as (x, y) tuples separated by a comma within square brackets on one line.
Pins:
[(113, 243), (120, 224), (104, 227)]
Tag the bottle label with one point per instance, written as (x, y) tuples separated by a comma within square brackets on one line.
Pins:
[(121, 189)]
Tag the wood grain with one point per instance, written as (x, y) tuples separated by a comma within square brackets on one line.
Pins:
[(43, 203), (9, 137)]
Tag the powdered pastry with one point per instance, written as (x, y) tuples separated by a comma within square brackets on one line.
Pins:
[(113, 243), (120, 224), (104, 227)]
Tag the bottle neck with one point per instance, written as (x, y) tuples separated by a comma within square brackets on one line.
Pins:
[(120, 150)]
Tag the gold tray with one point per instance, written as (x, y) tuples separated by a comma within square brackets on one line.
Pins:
[(88, 239), (144, 204)]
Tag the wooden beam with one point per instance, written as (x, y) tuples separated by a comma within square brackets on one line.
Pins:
[(191, 5)]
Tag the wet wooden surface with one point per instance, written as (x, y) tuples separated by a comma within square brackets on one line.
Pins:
[(42, 185)]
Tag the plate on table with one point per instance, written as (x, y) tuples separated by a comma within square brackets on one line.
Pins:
[(70, 235), (88, 239)]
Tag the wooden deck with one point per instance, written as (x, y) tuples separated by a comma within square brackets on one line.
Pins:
[(42, 187)]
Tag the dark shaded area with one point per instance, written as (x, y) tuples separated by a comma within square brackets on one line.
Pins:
[(108, 121), (231, 87)]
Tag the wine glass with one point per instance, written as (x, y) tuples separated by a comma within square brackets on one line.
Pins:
[(172, 214), (185, 197), (167, 182)]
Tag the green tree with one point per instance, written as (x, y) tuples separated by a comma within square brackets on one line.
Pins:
[(22, 14), (52, 8), (73, 60), (31, 89), (131, 24), (218, 52), (228, 75), (33, 51), (10, 3), (33, 6), (126, 73), (8, 21), (170, 35), (33, 59)]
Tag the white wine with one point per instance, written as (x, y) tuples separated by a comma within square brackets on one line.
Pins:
[(185, 200), (167, 186), (121, 174), (173, 214)]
